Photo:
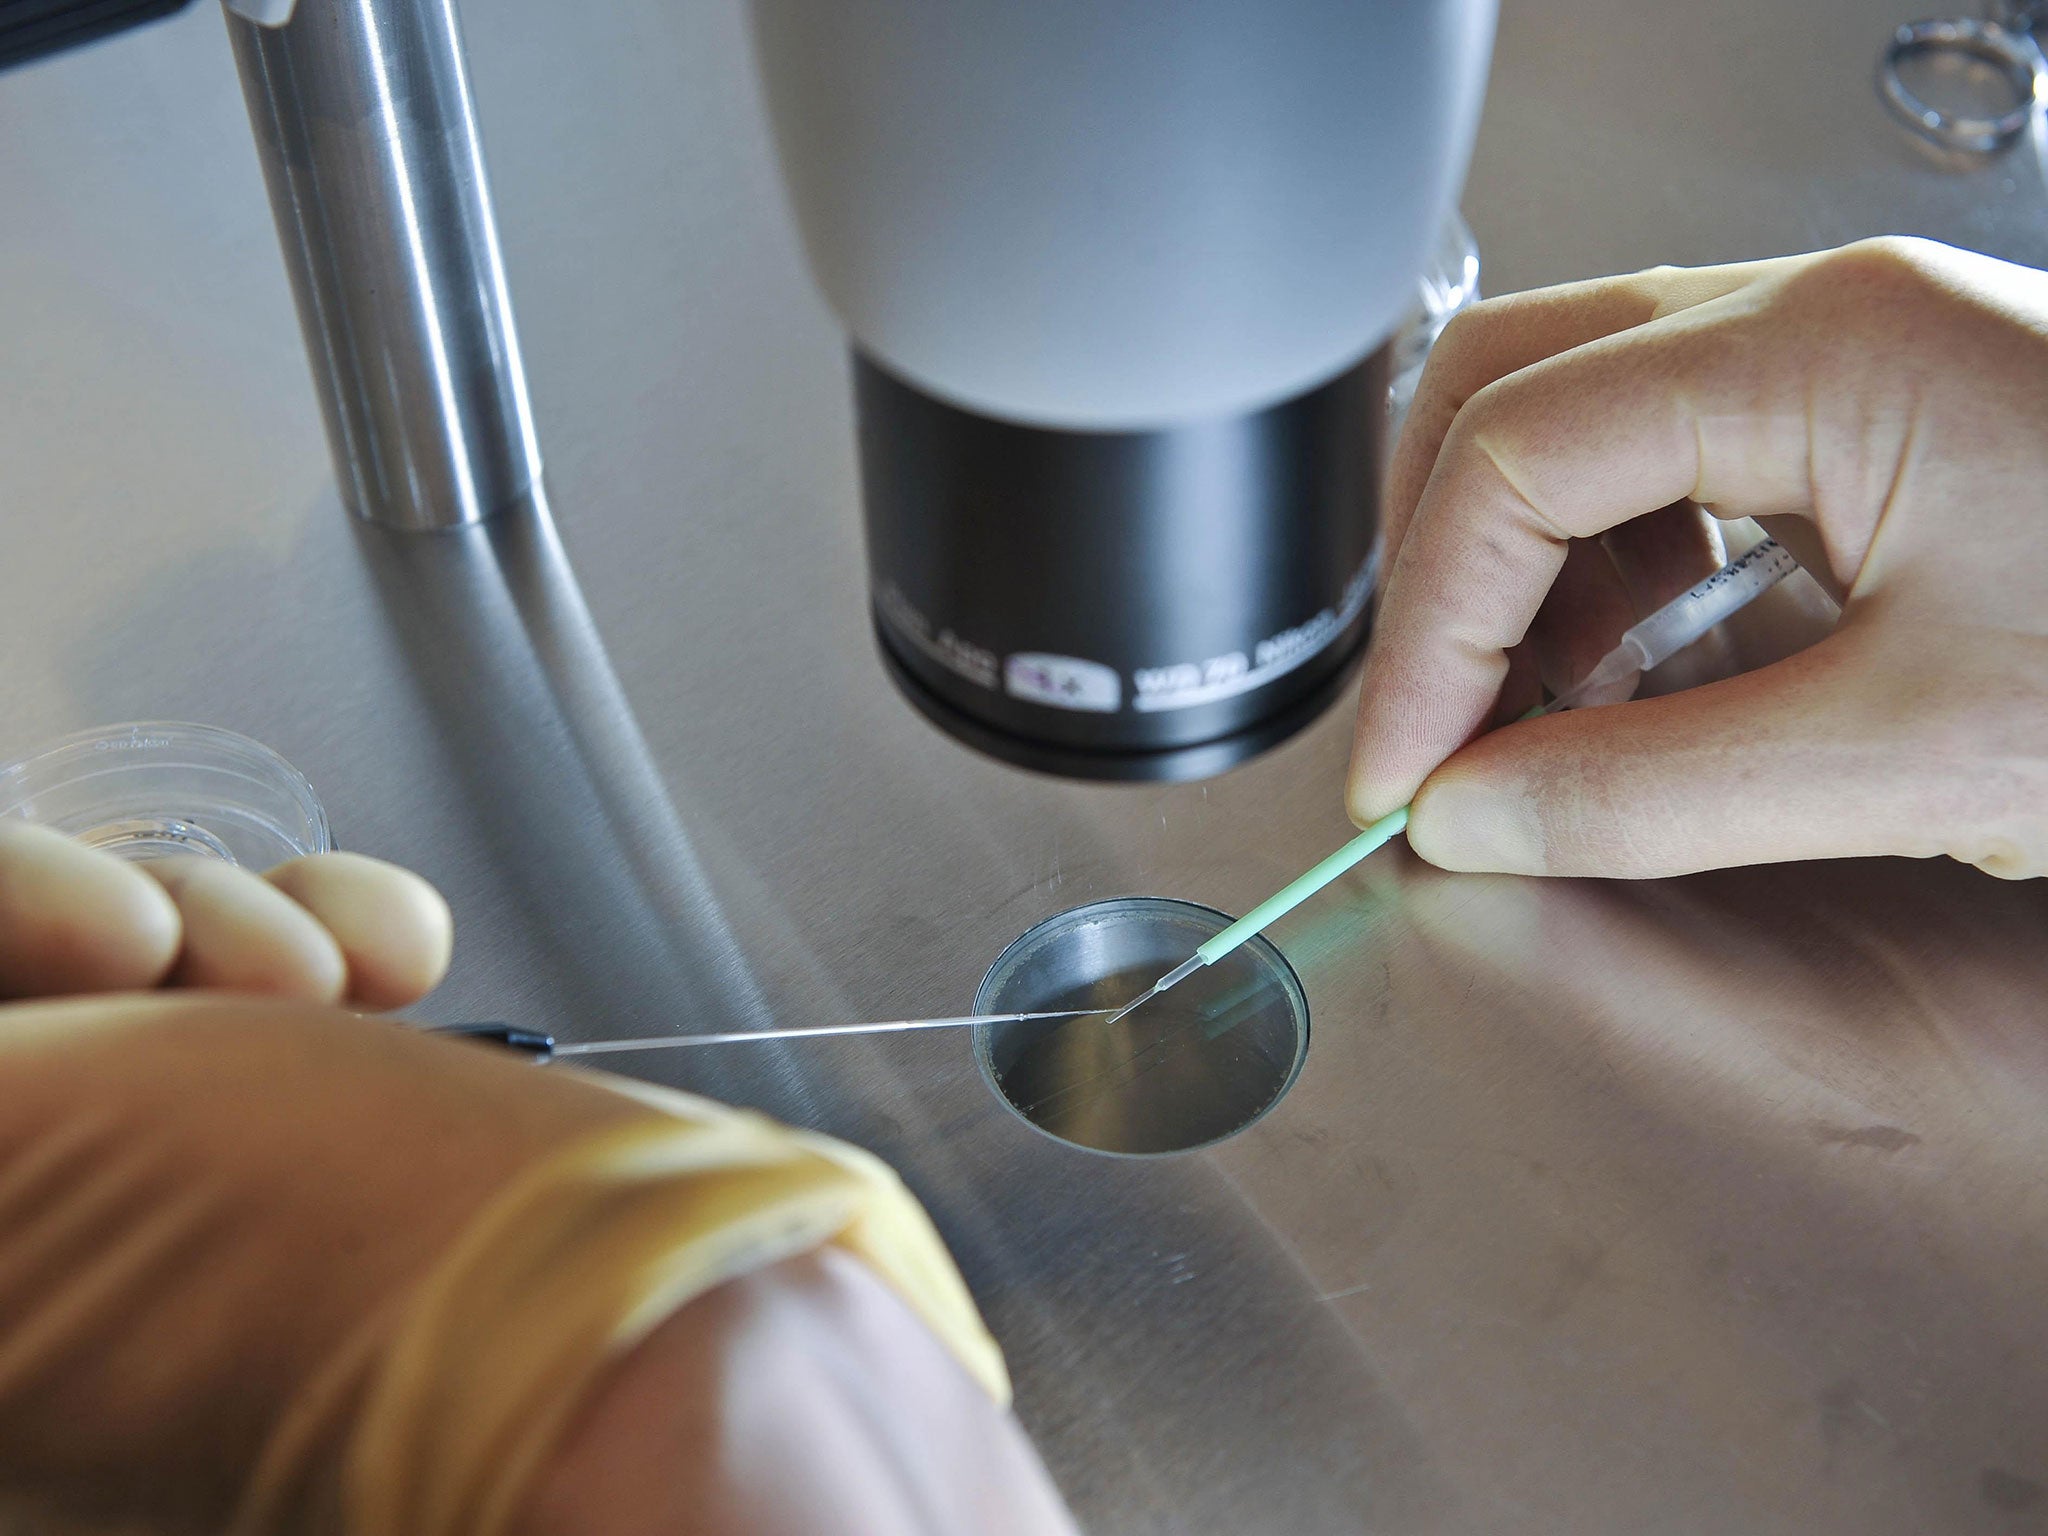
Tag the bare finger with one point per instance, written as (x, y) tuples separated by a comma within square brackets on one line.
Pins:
[(1750, 770), (1567, 448), (1505, 335)]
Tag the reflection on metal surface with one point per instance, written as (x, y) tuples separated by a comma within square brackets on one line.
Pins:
[(1187, 1069)]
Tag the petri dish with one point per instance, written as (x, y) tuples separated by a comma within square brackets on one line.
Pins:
[(154, 788), (1196, 1064)]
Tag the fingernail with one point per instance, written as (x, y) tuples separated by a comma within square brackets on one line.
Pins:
[(1470, 827), (1366, 805)]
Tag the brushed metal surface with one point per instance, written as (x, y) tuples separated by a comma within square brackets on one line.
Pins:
[(1710, 1205)]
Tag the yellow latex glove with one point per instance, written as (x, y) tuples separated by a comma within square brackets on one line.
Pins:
[(272, 1267)]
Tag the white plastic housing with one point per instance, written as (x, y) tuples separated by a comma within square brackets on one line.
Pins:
[(1121, 213)]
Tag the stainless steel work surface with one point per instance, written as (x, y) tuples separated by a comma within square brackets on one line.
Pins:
[(1712, 1205)]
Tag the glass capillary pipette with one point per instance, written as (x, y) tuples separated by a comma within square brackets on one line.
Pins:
[(1662, 635), (1274, 907), (544, 1047)]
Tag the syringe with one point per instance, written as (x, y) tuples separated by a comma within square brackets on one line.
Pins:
[(1684, 619), (1662, 635)]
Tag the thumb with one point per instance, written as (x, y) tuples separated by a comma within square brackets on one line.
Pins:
[(1799, 760)]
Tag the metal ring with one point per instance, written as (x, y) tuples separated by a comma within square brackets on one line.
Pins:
[(2014, 54)]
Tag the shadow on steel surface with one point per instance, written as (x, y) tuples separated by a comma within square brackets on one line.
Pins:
[(531, 717), (1161, 1339)]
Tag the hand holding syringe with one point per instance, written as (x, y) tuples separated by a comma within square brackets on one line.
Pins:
[(1569, 447), (1662, 635)]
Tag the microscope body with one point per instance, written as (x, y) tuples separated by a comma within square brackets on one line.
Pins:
[(1119, 279)]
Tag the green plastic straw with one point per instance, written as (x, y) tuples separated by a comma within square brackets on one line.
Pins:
[(1285, 900)]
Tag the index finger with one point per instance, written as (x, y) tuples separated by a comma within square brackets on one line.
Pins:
[(1565, 448), (1507, 334)]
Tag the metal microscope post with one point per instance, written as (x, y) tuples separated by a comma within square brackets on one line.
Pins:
[(368, 138)]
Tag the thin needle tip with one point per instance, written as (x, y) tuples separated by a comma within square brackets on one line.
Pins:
[(1178, 974), (1142, 997)]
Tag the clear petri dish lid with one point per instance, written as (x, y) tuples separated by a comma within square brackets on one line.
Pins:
[(154, 788)]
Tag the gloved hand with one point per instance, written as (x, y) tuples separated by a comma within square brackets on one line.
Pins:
[(1887, 397), (273, 1267), (333, 927)]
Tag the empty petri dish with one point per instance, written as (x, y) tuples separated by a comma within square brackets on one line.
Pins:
[(154, 788), (1199, 1062)]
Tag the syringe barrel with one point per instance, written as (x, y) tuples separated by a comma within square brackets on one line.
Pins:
[(1685, 618)]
